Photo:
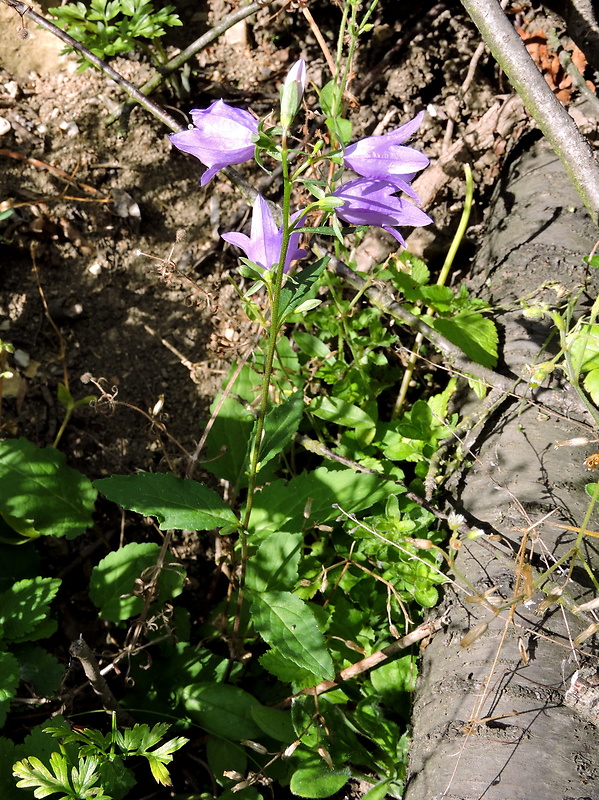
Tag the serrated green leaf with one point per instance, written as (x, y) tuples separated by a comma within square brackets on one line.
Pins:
[(113, 580), (38, 487), (25, 606), (175, 502), (9, 680), (440, 297), (159, 770), (298, 287), (222, 709), (39, 668), (286, 670), (288, 625), (308, 499), (475, 335), (415, 267), (275, 563), (280, 426)]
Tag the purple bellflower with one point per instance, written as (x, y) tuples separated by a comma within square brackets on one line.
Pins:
[(374, 202), (384, 158), (263, 246), (223, 135)]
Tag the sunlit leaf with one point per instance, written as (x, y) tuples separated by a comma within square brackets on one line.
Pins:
[(175, 502)]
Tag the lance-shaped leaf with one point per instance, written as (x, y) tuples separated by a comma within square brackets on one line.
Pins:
[(309, 498), (175, 502), (298, 287), (280, 426), (287, 624)]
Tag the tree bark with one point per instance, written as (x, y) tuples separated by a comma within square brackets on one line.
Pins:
[(490, 719)]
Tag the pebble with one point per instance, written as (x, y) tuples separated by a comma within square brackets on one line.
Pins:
[(70, 128), (21, 358), (5, 126), (11, 88)]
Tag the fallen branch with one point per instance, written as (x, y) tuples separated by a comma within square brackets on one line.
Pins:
[(552, 118), (80, 649), (424, 631)]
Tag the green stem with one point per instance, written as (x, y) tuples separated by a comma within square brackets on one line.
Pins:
[(273, 332), (443, 275), (61, 430), (461, 231)]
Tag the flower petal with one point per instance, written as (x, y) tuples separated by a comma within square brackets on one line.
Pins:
[(223, 135)]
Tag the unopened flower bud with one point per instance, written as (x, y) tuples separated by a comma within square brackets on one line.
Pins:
[(292, 92), (256, 746), (289, 751)]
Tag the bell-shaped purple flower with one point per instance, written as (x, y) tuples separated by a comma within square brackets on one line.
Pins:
[(384, 157), (374, 202), (223, 135), (263, 245)]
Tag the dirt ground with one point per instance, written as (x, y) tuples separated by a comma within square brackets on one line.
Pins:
[(76, 296)]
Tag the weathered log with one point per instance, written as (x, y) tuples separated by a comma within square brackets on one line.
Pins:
[(490, 719)]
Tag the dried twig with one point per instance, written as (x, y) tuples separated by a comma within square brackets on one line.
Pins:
[(183, 57), (24, 10), (424, 631), (80, 649)]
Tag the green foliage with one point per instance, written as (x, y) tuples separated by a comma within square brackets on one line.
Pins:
[(24, 617), (40, 495), (113, 581), (175, 502), (331, 554), (328, 553), (78, 782), (111, 27), (93, 764), (582, 344), (287, 623)]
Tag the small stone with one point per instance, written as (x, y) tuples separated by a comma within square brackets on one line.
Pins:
[(21, 358), (237, 35), (94, 269), (5, 126), (12, 89), (69, 128)]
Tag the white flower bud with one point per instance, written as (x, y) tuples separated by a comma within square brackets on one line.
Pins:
[(292, 92)]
